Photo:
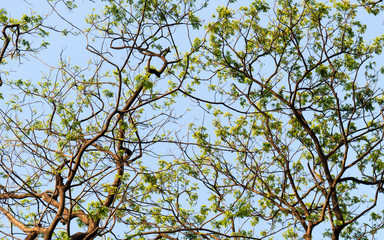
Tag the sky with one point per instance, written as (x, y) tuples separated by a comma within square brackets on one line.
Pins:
[(76, 50)]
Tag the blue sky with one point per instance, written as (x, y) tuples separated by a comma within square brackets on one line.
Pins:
[(73, 47)]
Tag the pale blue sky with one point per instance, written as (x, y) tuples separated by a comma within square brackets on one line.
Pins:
[(74, 47)]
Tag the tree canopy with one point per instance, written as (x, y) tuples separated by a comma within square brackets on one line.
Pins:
[(175, 119)]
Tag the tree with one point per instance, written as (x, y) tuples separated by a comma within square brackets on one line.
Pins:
[(289, 145), (71, 143), (299, 145)]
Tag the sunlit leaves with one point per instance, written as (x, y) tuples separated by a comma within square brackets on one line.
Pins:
[(97, 211), (3, 16), (108, 93), (304, 80), (290, 130)]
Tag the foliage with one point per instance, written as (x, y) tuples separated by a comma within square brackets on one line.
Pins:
[(263, 122)]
